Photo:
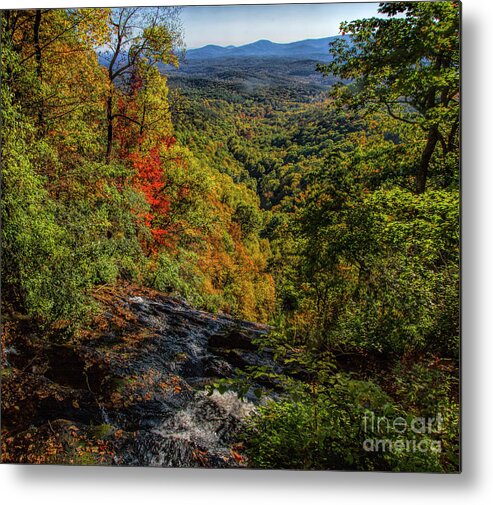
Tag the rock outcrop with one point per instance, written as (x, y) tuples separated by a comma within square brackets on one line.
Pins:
[(130, 390)]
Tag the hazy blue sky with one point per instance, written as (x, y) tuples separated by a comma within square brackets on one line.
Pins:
[(241, 24)]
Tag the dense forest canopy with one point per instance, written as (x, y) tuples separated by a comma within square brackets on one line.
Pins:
[(327, 207)]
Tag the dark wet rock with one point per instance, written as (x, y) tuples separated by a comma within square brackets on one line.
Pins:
[(137, 375), (234, 337), (216, 367)]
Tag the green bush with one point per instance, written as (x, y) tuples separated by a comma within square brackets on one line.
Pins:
[(325, 428), (40, 274)]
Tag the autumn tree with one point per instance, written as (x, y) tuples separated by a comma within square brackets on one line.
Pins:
[(59, 74), (408, 64), (140, 38), (143, 119)]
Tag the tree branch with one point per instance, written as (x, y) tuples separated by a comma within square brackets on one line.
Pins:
[(44, 46)]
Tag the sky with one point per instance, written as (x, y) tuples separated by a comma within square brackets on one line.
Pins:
[(242, 24)]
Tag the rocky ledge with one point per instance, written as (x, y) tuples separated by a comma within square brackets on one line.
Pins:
[(130, 390)]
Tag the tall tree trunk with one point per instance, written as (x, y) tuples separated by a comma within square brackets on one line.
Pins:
[(109, 132), (37, 45), (422, 171), (39, 62), (7, 29)]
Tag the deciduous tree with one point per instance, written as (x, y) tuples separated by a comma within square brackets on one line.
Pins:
[(408, 64), (140, 37)]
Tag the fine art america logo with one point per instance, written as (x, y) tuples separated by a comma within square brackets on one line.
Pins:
[(401, 434)]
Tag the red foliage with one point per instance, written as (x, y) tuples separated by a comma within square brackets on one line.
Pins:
[(150, 180)]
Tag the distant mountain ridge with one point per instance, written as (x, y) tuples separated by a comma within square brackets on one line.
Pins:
[(316, 49)]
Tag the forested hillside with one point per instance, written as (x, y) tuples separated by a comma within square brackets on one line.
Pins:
[(318, 198)]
